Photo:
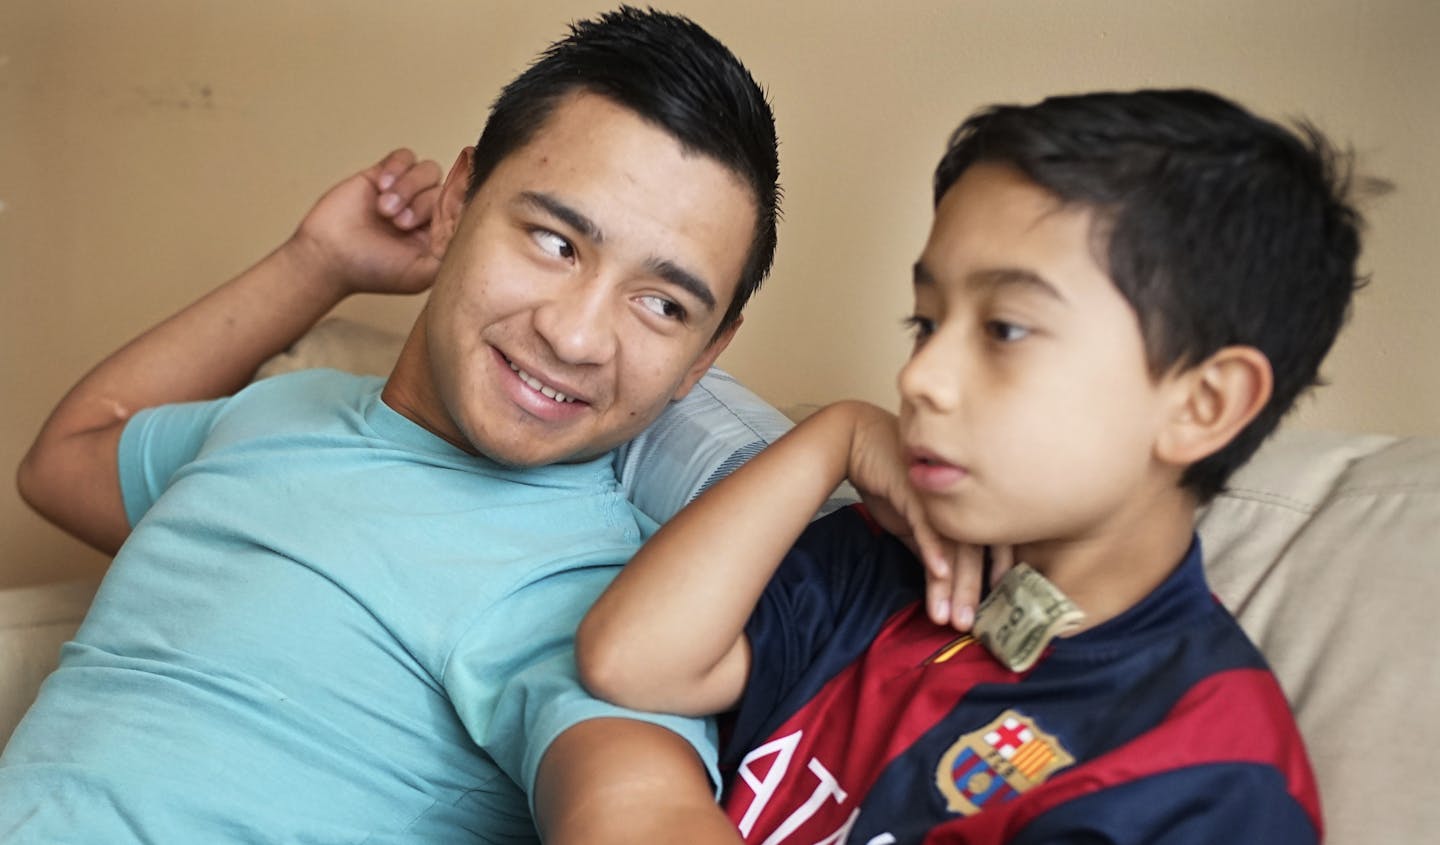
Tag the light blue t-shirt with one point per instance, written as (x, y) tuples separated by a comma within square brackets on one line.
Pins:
[(328, 625)]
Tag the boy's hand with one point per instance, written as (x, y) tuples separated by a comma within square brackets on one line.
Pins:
[(370, 233), (877, 468)]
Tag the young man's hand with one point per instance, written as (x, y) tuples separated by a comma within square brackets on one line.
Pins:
[(370, 233), (878, 469)]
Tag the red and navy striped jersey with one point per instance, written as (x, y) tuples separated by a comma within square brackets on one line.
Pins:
[(864, 722)]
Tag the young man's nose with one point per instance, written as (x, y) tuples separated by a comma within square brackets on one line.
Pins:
[(579, 323)]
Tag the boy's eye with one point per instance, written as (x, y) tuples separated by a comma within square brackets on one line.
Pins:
[(667, 308), (1006, 332), (920, 328), (552, 244)]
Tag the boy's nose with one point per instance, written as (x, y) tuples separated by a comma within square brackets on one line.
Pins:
[(579, 324), (931, 379)]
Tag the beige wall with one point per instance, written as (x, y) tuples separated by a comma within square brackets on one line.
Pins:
[(151, 148)]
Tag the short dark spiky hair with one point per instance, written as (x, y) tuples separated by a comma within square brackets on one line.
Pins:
[(671, 72), (1219, 227)]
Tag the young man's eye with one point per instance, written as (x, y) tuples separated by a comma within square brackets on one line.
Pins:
[(552, 244), (920, 328), (1006, 332), (667, 308)]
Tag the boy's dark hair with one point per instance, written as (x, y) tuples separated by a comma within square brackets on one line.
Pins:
[(1219, 227), (671, 72)]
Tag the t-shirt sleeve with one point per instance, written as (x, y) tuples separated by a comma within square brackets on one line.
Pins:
[(515, 685), (155, 444)]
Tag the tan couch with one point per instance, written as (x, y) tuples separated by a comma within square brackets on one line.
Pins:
[(1326, 546)]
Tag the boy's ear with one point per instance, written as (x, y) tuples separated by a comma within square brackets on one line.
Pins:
[(451, 204), (1214, 400)]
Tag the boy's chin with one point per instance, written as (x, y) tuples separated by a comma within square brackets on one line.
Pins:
[(963, 527), (967, 532)]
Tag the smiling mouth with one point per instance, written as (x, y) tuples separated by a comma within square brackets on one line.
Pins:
[(540, 387)]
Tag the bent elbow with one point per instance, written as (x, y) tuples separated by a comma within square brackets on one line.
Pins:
[(625, 672), (73, 484), (29, 481), (604, 670)]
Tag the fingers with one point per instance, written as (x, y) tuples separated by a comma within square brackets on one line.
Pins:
[(408, 189), (951, 596), (1002, 560), (965, 589), (938, 590), (936, 558), (384, 172), (421, 208)]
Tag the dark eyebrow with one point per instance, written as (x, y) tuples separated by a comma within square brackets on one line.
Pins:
[(565, 214), (685, 280), (998, 277), (1003, 277)]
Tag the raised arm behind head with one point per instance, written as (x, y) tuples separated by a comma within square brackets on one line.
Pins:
[(366, 234)]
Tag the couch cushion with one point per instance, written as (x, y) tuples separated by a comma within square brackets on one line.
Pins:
[(1327, 548), (340, 344), (34, 622)]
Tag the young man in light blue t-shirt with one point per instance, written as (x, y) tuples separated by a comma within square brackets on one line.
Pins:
[(342, 608)]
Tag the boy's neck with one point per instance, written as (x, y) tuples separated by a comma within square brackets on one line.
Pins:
[(1111, 572)]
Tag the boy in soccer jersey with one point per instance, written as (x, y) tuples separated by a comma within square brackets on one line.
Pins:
[(1120, 297)]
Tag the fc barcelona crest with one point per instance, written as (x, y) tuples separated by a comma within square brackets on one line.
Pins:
[(998, 762)]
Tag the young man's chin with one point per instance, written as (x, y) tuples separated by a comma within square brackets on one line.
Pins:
[(540, 452)]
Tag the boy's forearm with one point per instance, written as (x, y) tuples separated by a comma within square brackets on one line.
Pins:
[(668, 634)]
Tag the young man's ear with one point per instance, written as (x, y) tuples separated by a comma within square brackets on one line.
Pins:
[(1214, 400), (707, 358), (451, 203)]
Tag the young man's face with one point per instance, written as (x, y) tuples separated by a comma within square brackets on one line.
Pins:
[(582, 287), (1027, 408)]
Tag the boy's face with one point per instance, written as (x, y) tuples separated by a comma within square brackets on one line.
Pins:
[(1028, 413), (595, 262)]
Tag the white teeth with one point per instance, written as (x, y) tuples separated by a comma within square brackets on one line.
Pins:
[(535, 384)]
